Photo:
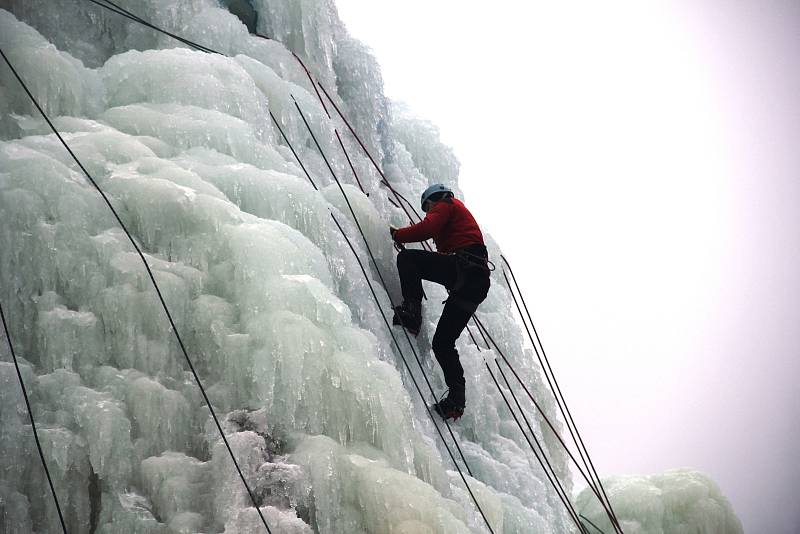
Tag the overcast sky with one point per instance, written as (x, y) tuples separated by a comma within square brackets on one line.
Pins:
[(639, 163)]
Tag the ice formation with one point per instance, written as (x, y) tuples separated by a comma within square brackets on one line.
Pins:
[(675, 502), (281, 325), (276, 315)]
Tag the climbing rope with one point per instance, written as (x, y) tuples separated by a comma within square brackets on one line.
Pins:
[(341, 144), (400, 198), (540, 410), (155, 285), (591, 523), (543, 460), (567, 416), (111, 6), (544, 362), (30, 415), (384, 181)]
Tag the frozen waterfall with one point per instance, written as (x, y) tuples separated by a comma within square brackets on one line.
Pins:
[(276, 315), (277, 296)]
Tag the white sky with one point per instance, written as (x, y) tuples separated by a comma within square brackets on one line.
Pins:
[(638, 161)]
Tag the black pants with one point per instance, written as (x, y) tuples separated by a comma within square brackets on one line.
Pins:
[(469, 285)]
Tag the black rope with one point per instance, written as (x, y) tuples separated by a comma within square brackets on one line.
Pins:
[(385, 320), (557, 485), (537, 405), (344, 194), (385, 181), (472, 337), (308, 75), (558, 394), (350, 163), (336, 131), (293, 151), (554, 479), (475, 321), (377, 301), (566, 498), (592, 483), (389, 328), (155, 285), (425, 245), (30, 415), (111, 6), (398, 203), (590, 522)]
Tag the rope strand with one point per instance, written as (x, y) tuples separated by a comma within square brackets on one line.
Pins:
[(30, 415), (562, 494), (538, 406), (554, 479)]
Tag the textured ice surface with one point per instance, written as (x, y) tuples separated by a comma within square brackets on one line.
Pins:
[(675, 502), (269, 301)]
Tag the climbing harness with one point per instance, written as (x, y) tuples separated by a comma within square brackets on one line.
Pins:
[(466, 264), (474, 260)]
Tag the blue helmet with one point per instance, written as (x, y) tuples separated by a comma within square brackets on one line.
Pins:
[(433, 190)]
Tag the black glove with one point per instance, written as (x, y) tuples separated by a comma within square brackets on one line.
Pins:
[(397, 245)]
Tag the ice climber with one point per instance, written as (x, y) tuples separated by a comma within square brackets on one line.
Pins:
[(460, 265)]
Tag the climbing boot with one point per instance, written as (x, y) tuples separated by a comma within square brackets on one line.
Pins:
[(409, 316), (449, 408)]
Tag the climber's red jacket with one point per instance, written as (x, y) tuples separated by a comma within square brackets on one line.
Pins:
[(449, 223)]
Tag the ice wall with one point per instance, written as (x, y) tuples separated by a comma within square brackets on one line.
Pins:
[(276, 315), (675, 502)]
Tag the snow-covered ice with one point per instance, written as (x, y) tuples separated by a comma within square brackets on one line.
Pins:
[(674, 502)]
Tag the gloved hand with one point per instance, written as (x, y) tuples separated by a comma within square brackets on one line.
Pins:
[(398, 246)]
